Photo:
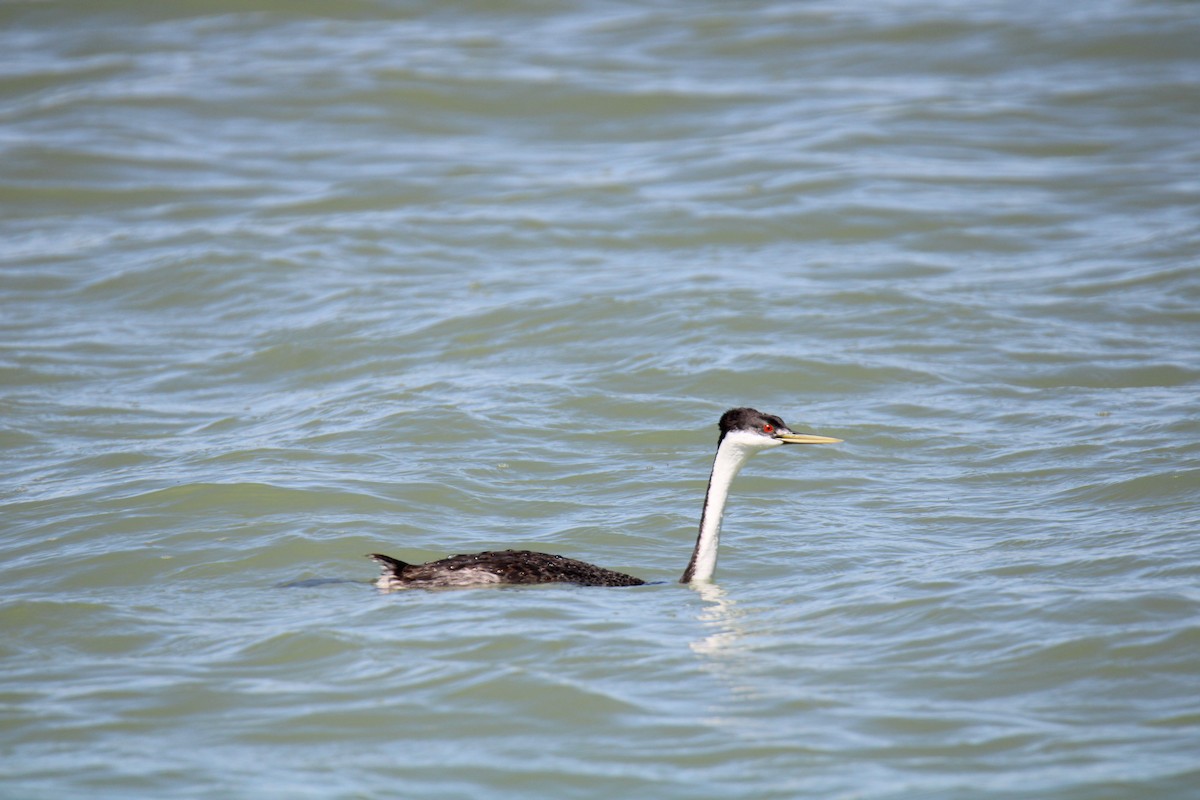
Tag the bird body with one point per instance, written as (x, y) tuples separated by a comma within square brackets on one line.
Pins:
[(494, 568), (744, 432)]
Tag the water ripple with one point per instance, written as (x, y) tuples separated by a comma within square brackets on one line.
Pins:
[(286, 286)]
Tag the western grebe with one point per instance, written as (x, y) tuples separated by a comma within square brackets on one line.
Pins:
[(744, 432)]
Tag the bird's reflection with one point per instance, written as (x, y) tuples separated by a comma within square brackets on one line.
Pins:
[(720, 617)]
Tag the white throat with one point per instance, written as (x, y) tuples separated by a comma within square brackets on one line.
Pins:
[(735, 449)]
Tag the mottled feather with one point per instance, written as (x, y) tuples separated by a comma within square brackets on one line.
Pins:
[(497, 567)]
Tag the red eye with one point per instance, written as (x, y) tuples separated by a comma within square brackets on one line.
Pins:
[(768, 429)]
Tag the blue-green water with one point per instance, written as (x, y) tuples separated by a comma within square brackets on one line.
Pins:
[(285, 284)]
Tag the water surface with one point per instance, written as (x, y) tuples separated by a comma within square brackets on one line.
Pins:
[(284, 285)]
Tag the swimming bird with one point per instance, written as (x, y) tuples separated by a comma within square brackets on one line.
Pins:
[(743, 433)]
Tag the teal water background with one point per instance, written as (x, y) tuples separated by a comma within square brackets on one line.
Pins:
[(285, 283)]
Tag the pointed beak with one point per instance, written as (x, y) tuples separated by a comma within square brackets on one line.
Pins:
[(805, 438)]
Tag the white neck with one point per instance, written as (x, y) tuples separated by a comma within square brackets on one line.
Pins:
[(731, 455)]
